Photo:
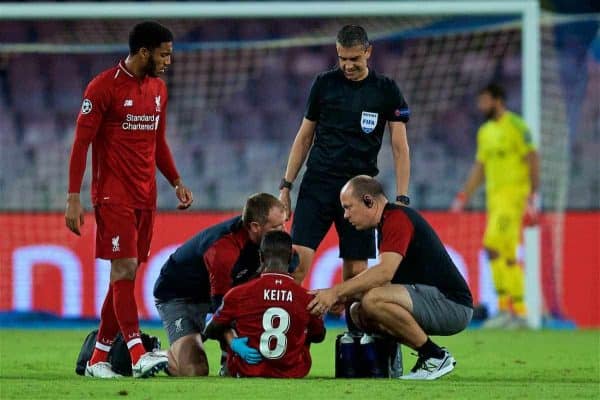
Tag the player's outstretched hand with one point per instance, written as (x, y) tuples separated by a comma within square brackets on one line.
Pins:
[(240, 347), (323, 301), (286, 199), (185, 196), (74, 213)]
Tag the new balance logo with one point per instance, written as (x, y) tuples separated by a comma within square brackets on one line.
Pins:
[(157, 102), (128, 103), (115, 244)]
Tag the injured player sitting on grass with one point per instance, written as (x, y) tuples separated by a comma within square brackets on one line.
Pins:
[(194, 279), (264, 324)]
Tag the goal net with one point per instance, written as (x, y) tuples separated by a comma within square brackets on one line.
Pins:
[(237, 92)]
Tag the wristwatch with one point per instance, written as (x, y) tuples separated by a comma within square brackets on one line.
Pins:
[(403, 199), (285, 184)]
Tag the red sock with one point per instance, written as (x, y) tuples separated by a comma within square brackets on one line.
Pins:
[(109, 327), (126, 312)]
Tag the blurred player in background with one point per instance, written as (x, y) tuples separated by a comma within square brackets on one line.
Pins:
[(508, 162), (265, 322), (123, 117), (346, 114), (202, 270), (414, 291)]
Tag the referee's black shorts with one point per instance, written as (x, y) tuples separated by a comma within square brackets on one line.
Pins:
[(318, 205)]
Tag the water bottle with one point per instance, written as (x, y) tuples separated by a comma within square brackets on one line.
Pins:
[(369, 352), (347, 356), (395, 363)]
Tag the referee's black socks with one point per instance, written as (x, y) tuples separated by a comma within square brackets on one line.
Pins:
[(430, 350)]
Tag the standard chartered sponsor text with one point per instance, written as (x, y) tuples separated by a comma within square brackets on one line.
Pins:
[(144, 122)]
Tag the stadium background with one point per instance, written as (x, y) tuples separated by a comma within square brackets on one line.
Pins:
[(235, 105)]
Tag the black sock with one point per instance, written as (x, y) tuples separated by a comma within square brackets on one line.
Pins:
[(430, 350)]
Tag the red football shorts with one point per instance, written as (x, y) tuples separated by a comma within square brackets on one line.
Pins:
[(123, 232)]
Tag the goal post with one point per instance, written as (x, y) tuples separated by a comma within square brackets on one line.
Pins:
[(528, 12)]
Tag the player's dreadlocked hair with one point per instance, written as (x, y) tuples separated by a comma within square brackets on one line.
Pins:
[(148, 34), (257, 208), (494, 90), (353, 35), (276, 251), (363, 185)]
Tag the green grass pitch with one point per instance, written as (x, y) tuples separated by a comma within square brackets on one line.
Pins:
[(39, 364)]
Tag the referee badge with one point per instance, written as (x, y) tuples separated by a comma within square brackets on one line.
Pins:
[(368, 121)]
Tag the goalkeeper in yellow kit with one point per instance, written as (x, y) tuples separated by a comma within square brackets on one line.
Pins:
[(508, 162)]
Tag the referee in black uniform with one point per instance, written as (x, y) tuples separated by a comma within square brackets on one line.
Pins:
[(346, 113)]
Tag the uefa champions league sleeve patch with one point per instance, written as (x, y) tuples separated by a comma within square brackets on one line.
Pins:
[(86, 106)]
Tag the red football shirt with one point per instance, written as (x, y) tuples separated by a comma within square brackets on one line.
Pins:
[(124, 119), (271, 312)]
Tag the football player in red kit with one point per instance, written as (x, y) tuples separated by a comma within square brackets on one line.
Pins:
[(123, 117), (264, 323)]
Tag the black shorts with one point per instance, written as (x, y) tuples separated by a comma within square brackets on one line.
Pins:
[(317, 207)]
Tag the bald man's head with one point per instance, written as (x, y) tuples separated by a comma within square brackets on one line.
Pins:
[(363, 200), (364, 185)]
